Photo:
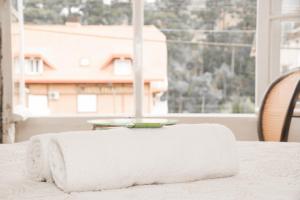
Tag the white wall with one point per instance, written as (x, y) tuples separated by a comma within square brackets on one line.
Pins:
[(243, 126)]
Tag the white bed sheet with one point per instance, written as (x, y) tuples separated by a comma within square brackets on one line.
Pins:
[(268, 171)]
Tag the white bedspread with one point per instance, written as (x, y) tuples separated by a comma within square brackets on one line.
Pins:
[(267, 171)]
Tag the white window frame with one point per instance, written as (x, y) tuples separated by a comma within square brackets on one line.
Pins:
[(138, 84), (268, 44), (7, 72)]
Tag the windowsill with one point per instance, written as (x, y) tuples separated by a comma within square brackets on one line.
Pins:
[(243, 125), (171, 115), (203, 115)]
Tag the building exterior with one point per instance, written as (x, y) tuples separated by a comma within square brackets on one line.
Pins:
[(77, 69), (290, 46)]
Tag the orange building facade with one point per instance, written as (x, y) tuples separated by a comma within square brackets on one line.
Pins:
[(76, 69)]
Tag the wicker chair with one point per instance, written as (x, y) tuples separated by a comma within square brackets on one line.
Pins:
[(277, 108)]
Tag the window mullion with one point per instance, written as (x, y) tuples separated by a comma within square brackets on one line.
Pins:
[(8, 134), (21, 55), (275, 31), (138, 23), (262, 76)]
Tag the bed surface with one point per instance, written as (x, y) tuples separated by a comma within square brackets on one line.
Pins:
[(267, 171)]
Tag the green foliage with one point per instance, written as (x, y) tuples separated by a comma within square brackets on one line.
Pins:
[(95, 12), (191, 63), (90, 11)]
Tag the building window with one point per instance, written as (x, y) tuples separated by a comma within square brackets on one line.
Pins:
[(86, 103), (122, 67), (33, 66), (84, 62), (38, 105)]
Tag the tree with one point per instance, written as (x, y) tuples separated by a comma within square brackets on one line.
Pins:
[(194, 60), (90, 11), (241, 83), (117, 13)]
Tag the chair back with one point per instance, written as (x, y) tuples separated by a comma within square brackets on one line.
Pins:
[(278, 106)]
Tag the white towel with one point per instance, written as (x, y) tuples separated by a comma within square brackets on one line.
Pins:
[(37, 162), (126, 157)]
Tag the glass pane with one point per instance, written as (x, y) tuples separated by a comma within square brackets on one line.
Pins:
[(203, 55), (285, 6), (14, 4), (290, 6), (77, 42), (290, 45)]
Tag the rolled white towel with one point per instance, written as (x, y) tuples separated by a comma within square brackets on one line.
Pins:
[(127, 157), (37, 162)]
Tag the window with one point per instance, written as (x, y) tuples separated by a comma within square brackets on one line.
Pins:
[(122, 67), (38, 105), (210, 65), (84, 62), (78, 43), (285, 15), (290, 46), (86, 103), (277, 41), (33, 66), (212, 54), (201, 51)]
